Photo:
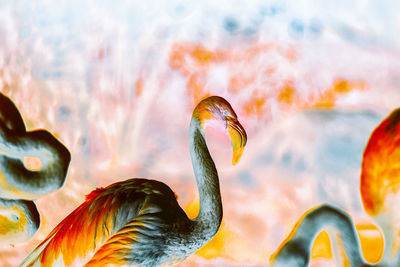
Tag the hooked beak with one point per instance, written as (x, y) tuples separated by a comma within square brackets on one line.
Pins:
[(238, 138)]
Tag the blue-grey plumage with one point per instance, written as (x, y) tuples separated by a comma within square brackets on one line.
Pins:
[(16, 180), (19, 220), (296, 251), (139, 221)]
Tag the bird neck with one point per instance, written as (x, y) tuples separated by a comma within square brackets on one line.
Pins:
[(338, 221), (301, 241), (210, 213)]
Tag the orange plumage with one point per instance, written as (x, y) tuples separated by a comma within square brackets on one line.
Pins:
[(139, 221), (97, 221), (380, 169)]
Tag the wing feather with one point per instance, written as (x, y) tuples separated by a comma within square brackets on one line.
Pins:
[(119, 249), (97, 223)]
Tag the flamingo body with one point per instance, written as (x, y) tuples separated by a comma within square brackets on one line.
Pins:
[(138, 221), (19, 185), (129, 221), (380, 183), (379, 170), (17, 181)]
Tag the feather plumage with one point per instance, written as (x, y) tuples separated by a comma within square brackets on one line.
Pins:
[(139, 221)]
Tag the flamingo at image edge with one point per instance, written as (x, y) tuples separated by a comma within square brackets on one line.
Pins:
[(379, 186), (20, 184), (139, 221)]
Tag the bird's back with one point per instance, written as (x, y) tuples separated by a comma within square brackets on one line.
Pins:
[(110, 224)]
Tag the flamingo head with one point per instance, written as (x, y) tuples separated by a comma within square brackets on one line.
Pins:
[(217, 108)]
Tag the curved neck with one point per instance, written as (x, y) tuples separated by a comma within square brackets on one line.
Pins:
[(210, 214), (30, 184), (340, 222), (300, 245)]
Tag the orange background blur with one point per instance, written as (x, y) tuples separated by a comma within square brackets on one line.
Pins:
[(117, 82)]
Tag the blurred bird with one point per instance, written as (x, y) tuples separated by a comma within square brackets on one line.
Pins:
[(19, 185), (379, 188), (138, 221), (380, 183), (16, 180), (19, 220), (295, 251)]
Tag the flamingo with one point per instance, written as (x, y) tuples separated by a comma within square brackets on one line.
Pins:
[(295, 251), (379, 186), (139, 221), (16, 180), (380, 183), (19, 185)]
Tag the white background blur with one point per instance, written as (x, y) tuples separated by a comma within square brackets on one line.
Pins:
[(117, 81)]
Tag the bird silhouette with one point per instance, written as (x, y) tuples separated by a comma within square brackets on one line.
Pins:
[(17, 181), (19, 220), (379, 188), (19, 185), (380, 183), (295, 251), (139, 221)]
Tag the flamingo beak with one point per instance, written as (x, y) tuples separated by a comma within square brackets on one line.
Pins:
[(238, 138)]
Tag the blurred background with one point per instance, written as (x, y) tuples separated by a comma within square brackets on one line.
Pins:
[(116, 82)]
